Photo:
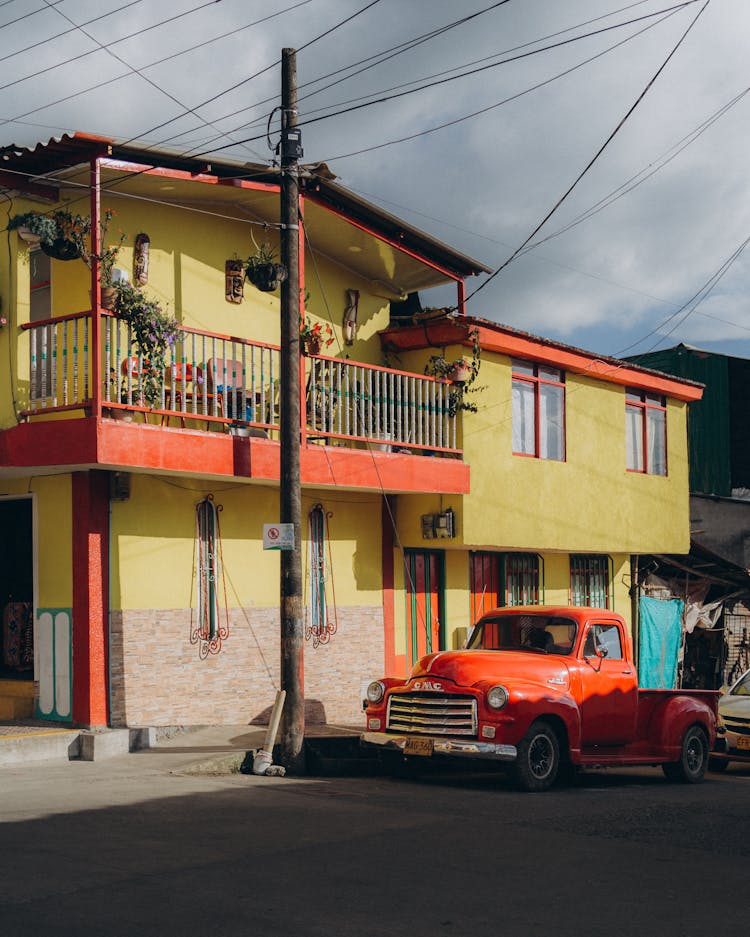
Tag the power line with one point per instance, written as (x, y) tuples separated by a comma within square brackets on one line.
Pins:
[(697, 298), (594, 158), (257, 74), (134, 70), (66, 32), (671, 11), (103, 84), (26, 16), (371, 61)]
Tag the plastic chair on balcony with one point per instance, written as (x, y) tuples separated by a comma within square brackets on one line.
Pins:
[(180, 386), (226, 381)]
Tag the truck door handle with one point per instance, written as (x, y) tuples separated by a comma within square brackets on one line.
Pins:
[(626, 671)]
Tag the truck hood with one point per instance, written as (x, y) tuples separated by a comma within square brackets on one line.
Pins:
[(467, 668)]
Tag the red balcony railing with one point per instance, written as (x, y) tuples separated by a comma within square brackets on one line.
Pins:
[(215, 381)]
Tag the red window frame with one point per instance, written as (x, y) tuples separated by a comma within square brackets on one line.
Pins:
[(537, 381), (644, 402)]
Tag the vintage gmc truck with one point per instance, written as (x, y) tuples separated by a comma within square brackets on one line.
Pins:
[(544, 690)]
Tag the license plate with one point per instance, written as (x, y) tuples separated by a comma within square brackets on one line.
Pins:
[(744, 742), (418, 747)]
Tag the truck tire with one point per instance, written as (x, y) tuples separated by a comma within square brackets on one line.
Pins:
[(538, 759), (691, 767)]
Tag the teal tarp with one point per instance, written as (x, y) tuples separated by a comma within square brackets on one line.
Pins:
[(661, 633)]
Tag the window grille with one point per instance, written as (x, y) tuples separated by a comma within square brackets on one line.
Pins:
[(210, 631), (504, 579), (590, 580), (522, 579), (321, 622)]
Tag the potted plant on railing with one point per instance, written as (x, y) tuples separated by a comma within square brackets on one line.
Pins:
[(58, 233), (263, 270), (461, 372), (106, 257), (314, 337), (153, 333)]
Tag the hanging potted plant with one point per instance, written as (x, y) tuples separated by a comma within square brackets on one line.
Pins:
[(263, 270), (57, 233), (106, 258), (154, 334), (33, 227)]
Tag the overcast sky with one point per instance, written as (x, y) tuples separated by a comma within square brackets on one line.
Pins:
[(624, 280)]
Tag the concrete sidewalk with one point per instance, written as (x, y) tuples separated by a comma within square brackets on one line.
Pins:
[(211, 749)]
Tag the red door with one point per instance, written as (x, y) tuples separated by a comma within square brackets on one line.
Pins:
[(609, 686), (423, 592), (486, 594)]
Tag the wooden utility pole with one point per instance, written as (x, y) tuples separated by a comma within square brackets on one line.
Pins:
[(293, 720)]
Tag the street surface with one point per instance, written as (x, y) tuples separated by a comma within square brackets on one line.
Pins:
[(141, 845)]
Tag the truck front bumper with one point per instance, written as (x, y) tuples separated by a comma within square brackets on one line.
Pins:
[(461, 748)]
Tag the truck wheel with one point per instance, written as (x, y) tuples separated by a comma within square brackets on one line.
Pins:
[(538, 759), (693, 762)]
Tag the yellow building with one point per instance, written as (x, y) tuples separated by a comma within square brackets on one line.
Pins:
[(136, 478)]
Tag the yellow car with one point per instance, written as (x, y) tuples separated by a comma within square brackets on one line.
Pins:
[(733, 729)]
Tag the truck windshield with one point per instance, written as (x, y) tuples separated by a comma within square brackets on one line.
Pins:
[(545, 634)]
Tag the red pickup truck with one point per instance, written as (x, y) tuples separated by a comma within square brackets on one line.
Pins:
[(542, 689)]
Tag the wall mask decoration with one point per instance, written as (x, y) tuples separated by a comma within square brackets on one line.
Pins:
[(234, 280), (350, 316), (141, 259)]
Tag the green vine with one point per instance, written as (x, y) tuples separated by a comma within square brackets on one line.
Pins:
[(154, 334)]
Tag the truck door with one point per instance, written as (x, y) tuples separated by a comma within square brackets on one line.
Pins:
[(609, 683)]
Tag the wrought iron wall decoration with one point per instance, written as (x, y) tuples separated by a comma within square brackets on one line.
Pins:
[(321, 619), (234, 281), (210, 631), (141, 253)]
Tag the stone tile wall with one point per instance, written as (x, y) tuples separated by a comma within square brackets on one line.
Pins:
[(159, 679)]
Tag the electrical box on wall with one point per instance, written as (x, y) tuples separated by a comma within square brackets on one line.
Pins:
[(428, 526), (442, 526)]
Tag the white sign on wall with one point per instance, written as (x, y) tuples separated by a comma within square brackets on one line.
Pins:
[(278, 536)]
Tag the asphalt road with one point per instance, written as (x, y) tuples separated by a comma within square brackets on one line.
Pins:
[(139, 845)]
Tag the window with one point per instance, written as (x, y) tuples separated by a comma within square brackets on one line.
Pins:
[(499, 579), (603, 641), (521, 579), (538, 411), (646, 433), (590, 580)]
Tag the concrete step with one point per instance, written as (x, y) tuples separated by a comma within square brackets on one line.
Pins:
[(20, 743)]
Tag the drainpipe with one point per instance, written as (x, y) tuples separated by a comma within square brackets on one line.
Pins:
[(96, 322), (635, 592)]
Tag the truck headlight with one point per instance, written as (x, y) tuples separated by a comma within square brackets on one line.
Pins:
[(375, 692), (497, 697)]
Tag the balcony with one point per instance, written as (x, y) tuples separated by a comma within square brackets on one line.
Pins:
[(215, 410)]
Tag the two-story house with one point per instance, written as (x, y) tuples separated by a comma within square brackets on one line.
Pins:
[(136, 477)]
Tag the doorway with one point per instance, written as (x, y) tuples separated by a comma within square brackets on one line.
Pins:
[(17, 589), (425, 601)]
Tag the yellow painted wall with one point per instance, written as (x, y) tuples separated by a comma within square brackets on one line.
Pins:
[(589, 503), (153, 536)]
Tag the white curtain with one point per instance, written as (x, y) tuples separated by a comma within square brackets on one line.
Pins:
[(523, 418)]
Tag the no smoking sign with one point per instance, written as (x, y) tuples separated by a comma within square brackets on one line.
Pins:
[(278, 536)]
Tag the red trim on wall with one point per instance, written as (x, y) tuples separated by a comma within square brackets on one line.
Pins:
[(84, 443), (389, 617), (534, 348), (90, 503)]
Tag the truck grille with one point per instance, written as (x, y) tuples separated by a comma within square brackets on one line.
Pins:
[(430, 714)]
